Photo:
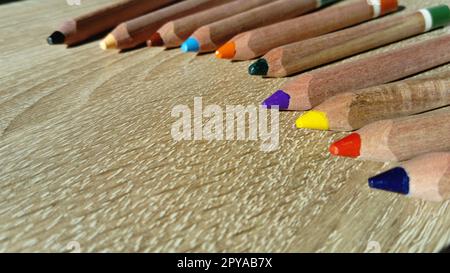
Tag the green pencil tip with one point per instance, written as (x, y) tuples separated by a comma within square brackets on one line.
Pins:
[(260, 68)]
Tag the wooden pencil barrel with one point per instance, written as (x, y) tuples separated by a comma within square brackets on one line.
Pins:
[(175, 32), (134, 32), (353, 110), (303, 55), (260, 41), (311, 89), (405, 138), (221, 31), (83, 27)]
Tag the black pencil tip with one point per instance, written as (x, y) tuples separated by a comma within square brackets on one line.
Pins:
[(56, 38), (260, 68)]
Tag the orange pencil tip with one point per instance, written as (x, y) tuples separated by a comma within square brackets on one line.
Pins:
[(388, 6), (227, 51)]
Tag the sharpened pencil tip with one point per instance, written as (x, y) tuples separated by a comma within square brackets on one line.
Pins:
[(258, 68), (227, 51), (56, 38), (155, 40), (279, 99), (394, 180), (349, 146), (315, 120), (190, 45), (108, 43)]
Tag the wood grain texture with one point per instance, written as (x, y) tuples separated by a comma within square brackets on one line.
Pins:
[(86, 155)]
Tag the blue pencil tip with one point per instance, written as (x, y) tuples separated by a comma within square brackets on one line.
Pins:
[(190, 45), (279, 98), (394, 180)]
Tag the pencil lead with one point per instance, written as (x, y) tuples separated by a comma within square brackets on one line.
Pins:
[(227, 51), (349, 146), (56, 38), (394, 180), (155, 40), (259, 68), (190, 45), (279, 98), (316, 120), (108, 43)]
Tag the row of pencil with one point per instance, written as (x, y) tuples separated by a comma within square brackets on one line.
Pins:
[(395, 121)]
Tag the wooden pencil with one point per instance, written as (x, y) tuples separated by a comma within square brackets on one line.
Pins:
[(81, 28), (426, 177), (352, 110), (398, 139), (134, 32), (300, 56), (310, 89), (209, 37), (174, 33), (254, 43)]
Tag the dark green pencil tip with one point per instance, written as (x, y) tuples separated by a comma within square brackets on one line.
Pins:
[(56, 38), (258, 68)]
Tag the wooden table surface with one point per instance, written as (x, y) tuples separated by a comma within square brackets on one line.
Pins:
[(87, 158)]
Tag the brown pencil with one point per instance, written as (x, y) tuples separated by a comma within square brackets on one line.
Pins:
[(254, 43), (134, 32), (398, 139), (81, 28), (303, 55), (310, 89), (352, 110), (174, 33), (209, 37), (426, 177)]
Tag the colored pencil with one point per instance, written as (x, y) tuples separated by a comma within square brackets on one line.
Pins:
[(300, 56), (310, 89), (426, 177), (352, 110), (398, 139), (81, 28), (257, 42), (209, 37), (135, 32), (174, 33)]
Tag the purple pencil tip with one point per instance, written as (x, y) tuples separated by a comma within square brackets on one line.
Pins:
[(279, 98)]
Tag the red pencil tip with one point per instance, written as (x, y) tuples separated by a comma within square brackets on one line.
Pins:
[(155, 40), (349, 146)]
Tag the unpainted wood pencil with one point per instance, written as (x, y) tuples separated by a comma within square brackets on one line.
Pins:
[(426, 177), (134, 32), (312, 88), (300, 56), (174, 33), (81, 28), (352, 110), (398, 139), (209, 37), (254, 43)]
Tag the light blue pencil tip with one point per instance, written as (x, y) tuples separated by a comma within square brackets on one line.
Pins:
[(190, 45)]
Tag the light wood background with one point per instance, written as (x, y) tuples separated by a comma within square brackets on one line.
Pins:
[(86, 157)]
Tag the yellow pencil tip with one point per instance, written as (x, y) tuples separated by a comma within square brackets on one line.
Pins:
[(316, 120), (108, 43)]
